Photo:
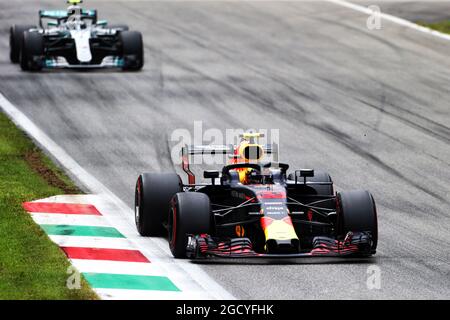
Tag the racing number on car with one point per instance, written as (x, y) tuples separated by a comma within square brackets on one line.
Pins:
[(240, 231), (74, 15)]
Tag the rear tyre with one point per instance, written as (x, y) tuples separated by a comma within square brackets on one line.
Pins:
[(190, 214), (15, 41), (357, 213), (152, 201), (132, 50), (32, 51)]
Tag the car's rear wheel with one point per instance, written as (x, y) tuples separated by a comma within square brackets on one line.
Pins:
[(32, 51), (190, 214), (357, 213), (15, 41), (132, 50), (152, 201)]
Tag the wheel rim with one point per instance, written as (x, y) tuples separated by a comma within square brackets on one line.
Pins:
[(171, 227), (137, 202)]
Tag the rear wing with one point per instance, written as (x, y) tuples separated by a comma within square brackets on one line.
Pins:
[(191, 150), (61, 15)]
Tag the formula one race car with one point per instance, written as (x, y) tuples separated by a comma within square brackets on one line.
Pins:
[(74, 38), (254, 209)]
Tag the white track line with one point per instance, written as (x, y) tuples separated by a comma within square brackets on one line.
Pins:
[(69, 198), (117, 267), (70, 219), (121, 294), (188, 277), (389, 17), (92, 242)]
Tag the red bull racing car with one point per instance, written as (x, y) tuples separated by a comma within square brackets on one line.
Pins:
[(254, 209)]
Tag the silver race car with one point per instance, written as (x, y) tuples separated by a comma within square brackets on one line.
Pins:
[(75, 38)]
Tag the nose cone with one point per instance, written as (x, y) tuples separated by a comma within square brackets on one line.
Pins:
[(280, 235), (282, 246)]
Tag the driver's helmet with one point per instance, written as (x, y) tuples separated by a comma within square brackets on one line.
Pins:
[(245, 175), (248, 151), (242, 172)]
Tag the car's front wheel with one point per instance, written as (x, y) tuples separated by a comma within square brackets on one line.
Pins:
[(357, 213), (32, 51), (15, 41), (132, 50), (190, 214)]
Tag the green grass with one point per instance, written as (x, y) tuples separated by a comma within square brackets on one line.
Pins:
[(31, 266), (442, 26)]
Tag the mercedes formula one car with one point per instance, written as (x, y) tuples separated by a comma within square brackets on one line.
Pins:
[(75, 38), (254, 209)]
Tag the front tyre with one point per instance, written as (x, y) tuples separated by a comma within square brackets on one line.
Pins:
[(132, 50), (16, 40), (357, 213), (32, 51), (190, 214), (153, 193)]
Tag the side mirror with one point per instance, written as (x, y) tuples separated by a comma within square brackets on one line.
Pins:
[(52, 24), (306, 173), (102, 23), (211, 174), (303, 173)]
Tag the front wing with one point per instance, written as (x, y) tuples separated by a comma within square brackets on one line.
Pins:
[(60, 62), (203, 246)]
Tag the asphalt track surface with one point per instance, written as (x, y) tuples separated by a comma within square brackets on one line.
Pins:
[(370, 107)]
